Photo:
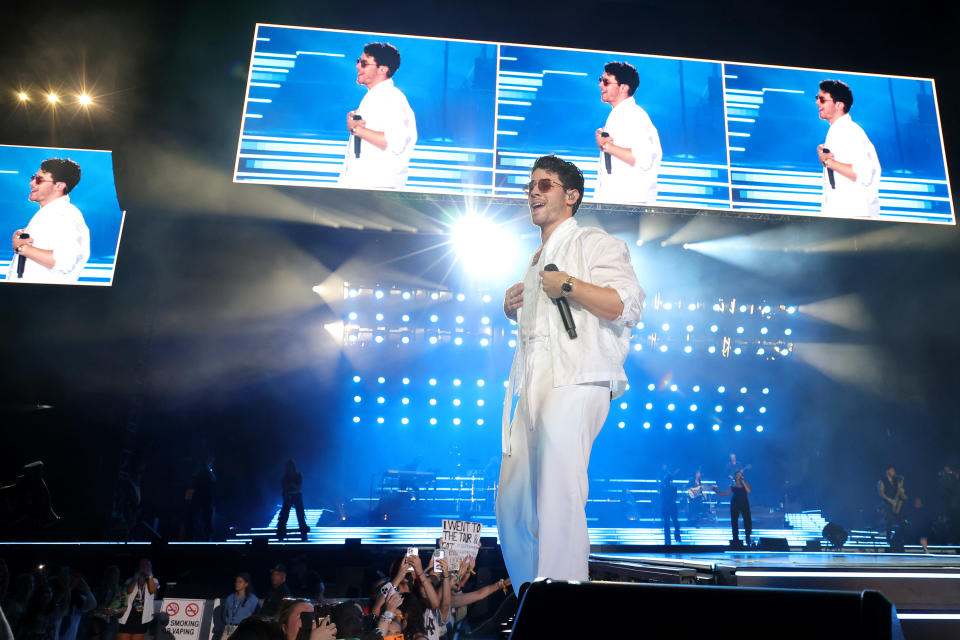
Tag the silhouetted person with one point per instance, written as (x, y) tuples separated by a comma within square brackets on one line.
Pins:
[(292, 486)]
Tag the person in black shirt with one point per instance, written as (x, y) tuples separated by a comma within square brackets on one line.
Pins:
[(668, 505), (279, 590), (292, 486), (890, 489), (696, 501), (739, 505)]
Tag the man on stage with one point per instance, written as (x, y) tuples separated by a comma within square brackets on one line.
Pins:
[(630, 152), (55, 246), (383, 128), (851, 170), (565, 384)]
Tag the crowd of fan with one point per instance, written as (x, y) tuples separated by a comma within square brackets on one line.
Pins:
[(412, 602)]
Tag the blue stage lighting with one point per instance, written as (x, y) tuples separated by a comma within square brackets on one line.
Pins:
[(668, 305), (405, 339), (671, 407), (456, 402), (691, 307), (481, 382), (433, 340), (665, 326), (714, 328), (791, 309), (381, 379), (433, 317), (787, 332), (784, 351), (379, 317), (404, 420), (356, 419), (663, 348), (763, 331), (721, 389), (621, 424), (651, 386), (405, 400), (737, 351), (484, 342), (696, 388), (718, 408), (405, 318), (690, 427), (381, 400), (458, 341), (434, 296), (486, 297), (353, 293), (456, 382), (711, 349), (739, 329), (669, 425), (693, 407), (762, 410), (740, 408), (432, 382), (379, 420), (356, 378), (378, 294), (646, 425), (759, 428), (433, 421), (433, 402), (459, 319), (761, 351), (765, 391), (673, 387), (405, 381), (743, 390), (687, 349), (378, 339), (406, 295), (648, 406), (765, 309), (484, 320), (480, 402), (637, 347), (456, 421), (689, 328), (479, 422), (716, 427), (639, 325), (737, 427), (352, 315), (623, 405), (357, 398), (461, 297)]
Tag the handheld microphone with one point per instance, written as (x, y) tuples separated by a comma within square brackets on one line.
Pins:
[(564, 308), (833, 185), (356, 139), (22, 260), (606, 156)]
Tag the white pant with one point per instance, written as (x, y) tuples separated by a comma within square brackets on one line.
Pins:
[(543, 488)]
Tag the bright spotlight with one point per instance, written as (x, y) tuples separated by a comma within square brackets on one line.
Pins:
[(480, 383), (378, 294), (379, 317), (714, 328), (646, 425), (23, 96), (663, 348), (671, 407), (405, 400), (791, 309), (787, 332), (665, 326), (765, 391), (356, 378), (357, 398), (712, 349), (648, 406), (690, 427), (484, 342), (718, 409), (669, 425), (743, 389), (356, 418), (52, 98), (378, 339), (721, 389), (405, 381), (456, 382), (379, 420), (381, 400), (621, 424), (687, 349), (433, 340), (404, 420), (693, 407), (762, 410), (458, 341), (456, 421), (760, 428), (696, 388), (737, 427), (483, 247), (673, 387), (651, 386), (433, 421), (461, 297), (84, 100), (623, 405), (716, 427)]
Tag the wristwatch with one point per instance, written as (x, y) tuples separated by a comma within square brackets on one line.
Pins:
[(567, 286)]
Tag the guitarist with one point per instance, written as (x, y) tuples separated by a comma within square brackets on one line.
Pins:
[(891, 492)]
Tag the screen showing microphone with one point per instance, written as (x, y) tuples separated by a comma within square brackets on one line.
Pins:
[(356, 138), (833, 185), (21, 260), (606, 156), (564, 306)]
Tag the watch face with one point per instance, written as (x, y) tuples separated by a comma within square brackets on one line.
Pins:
[(566, 287)]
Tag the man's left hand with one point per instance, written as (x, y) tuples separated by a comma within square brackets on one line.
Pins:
[(352, 124), (823, 156), (551, 281)]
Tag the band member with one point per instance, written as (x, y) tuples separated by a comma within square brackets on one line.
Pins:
[(892, 495), (292, 486), (695, 498), (733, 466), (55, 246), (668, 505), (565, 384), (739, 505), (383, 129), (851, 170), (629, 144)]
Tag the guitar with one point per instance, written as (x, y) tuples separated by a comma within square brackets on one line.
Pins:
[(900, 498)]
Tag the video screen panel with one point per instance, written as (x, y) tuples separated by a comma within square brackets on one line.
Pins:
[(81, 230), (470, 118)]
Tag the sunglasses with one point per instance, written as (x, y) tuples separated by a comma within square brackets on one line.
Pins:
[(363, 63), (543, 185), (822, 99), (38, 179), (606, 81)]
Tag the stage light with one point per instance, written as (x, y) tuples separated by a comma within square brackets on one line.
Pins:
[(671, 407), (432, 382), (759, 428), (765, 391), (433, 339), (357, 398), (484, 320), (23, 96), (689, 328), (784, 352), (433, 402), (379, 420), (405, 400), (459, 319), (668, 305), (690, 427), (693, 407), (743, 389), (714, 328), (696, 388), (405, 381), (711, 349), (380, 400), (356, 378), (621, 424), (651, 386), (646, 425), (626, 387), (762, 410), (456, 421), (637, 347), (381, 379), (433, 421), (716, 427), (623, 405), (352, 293), (456, 382), (378, 339), (668, 426), (737, 351), (673, 387), (484, 342), (406, 295), (405, 339), (405, 318), (740, 408), (512, 343), (743, 308), (760, 351), (356, 419), (737, 427), (352, 315), (52, 98), (481, 382), (716, 306), (456, 402), (434, 296), (404, 420), (765, 309), (787, 332), (461, 297), (665, 327), (378, 294), (648, 406), (718, 409), (458, 341), (663, 348), (721, 389), (479, 422), (486, 297), (739, 329), (691, 307), (763, 331), (84, 100), (480, 402), (687, 349), (352, 338), (791, 309), (640, 325)]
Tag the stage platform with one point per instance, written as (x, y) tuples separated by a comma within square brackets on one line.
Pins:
[(925, 588)]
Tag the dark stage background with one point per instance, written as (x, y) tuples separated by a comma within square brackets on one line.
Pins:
[(210, 341)]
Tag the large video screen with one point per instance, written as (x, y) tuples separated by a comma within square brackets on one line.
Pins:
[(65, 202), (330, 108)]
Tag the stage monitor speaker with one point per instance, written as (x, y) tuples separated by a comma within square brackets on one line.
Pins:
[(634, 610), (773, 544)]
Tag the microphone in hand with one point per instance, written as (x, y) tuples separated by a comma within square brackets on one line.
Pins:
[(564, 306), (606, 156), (356, 138), (22, 259), (833, 184)]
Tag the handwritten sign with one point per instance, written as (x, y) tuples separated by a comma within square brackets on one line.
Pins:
[(460, 540)]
